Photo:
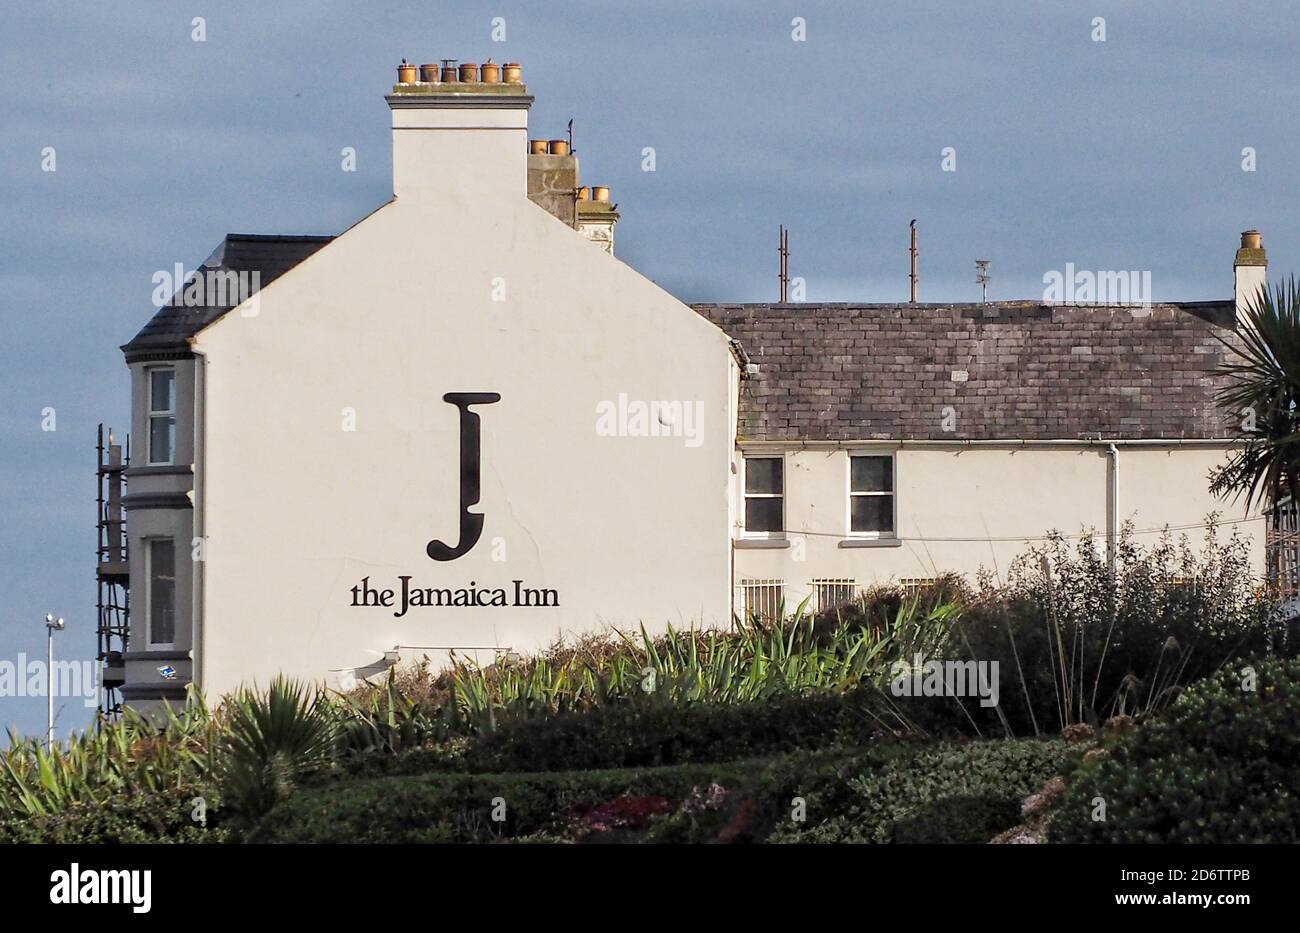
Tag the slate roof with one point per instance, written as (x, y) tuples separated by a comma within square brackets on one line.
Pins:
[(168, 332), (841, 372), (848, 372)]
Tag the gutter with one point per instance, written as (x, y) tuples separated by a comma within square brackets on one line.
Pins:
[(747, 367), (1081, 443)]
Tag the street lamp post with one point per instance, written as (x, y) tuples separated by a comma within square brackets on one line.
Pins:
[(52, 625)]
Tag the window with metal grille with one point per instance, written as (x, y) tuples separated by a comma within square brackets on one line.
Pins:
[(832, 592), (762, 599), (912, 586)]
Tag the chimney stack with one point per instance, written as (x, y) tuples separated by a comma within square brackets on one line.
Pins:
[(553, 186), (1249, 272), (465, 134), (597, 217)]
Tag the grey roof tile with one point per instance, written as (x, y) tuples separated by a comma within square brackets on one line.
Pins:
[(1034, 371), (270, 256)]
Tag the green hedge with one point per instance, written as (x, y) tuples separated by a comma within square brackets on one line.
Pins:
[(165, 818), (654, 736), (1223, 766), (950, 793), (451, 807), (803, 788), (966, 793), (888, 792), (659, 735)]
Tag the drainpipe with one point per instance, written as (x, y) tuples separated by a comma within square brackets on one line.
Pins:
[(198, 580), (1112, 495)]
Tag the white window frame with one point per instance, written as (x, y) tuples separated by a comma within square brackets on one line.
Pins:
[(849, 494), (151, 413), (746, 496), (148, 593)]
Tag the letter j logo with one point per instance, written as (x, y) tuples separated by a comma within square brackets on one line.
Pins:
[(471, 523)]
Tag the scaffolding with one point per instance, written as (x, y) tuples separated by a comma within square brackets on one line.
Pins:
[(111, 570), (1282, 547)]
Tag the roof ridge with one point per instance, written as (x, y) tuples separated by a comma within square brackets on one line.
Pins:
[(964, 305), (281, 237)]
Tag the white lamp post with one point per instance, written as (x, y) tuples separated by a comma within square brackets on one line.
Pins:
[(52, 625)]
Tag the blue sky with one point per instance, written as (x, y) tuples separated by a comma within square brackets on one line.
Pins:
[(1123, 154)]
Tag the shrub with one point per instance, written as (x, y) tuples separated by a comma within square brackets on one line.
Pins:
[(648, 734), (168, 817), (391, 718), (133, 756), (964, 793), (1223, 766), (738, 801), (1076, 644), (459, 807), (656, 735), (270, 741), (880, 606), (753, 661), (804, 786)]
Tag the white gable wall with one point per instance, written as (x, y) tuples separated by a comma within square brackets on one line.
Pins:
[(381, 323)]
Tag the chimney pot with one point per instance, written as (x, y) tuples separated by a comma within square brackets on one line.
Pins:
[(449, 74), (469, 73), (537, 147), (490, 73), (600, 193), (584, 193), (512, 73), (445, 142), (559, 147), (429, 74), (1250, 239), (405, 73)]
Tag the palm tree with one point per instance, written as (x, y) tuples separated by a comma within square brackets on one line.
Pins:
[(1264, 391), (1262, 398)]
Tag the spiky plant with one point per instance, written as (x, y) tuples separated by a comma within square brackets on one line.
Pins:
[(1262, 399), (271, 739), (756, 660), (135, 755)]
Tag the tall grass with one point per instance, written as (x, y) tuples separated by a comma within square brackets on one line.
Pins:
[(134, 755), (753, 662)]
